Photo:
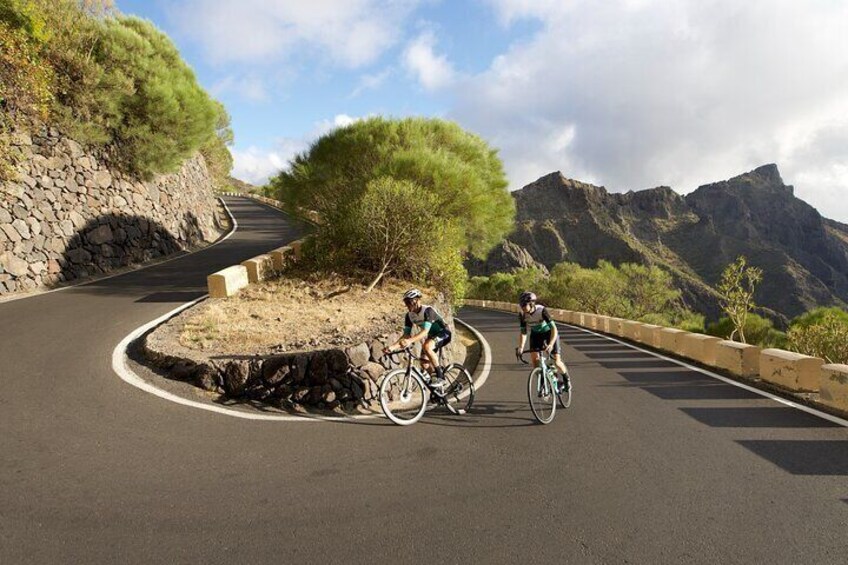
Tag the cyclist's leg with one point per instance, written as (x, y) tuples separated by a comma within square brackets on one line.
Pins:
[(429, 361)]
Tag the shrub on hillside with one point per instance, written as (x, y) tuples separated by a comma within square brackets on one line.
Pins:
[(215, 150), (506, 287), (116, 82), (25, 88), (822, 334), (758, 331), (456, 172)]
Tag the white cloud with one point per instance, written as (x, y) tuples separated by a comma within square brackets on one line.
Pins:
[(256, 165), (351, 33), (638, 93), (431, 70), (370, 82), (250, 87)]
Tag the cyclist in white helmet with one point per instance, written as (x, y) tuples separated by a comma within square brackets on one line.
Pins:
[(431, 329), (543, 334)]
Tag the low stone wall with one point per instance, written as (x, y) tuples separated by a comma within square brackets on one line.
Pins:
[(793, 372), (325, 379), (68, 217)]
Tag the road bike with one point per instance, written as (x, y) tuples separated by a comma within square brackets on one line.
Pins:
[(543, 392), (406, 392)]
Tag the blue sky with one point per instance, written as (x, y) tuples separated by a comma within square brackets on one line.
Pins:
[(628, 94)]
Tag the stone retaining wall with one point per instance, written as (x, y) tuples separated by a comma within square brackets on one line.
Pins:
[(68, 216), (325, 379)]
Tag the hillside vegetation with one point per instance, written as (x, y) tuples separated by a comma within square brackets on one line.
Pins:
[(107, 81)]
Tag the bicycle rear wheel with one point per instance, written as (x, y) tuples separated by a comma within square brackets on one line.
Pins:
[(403, 397), (459, 393), (540, 393)]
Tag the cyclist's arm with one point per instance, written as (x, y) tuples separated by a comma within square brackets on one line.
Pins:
[(522, 337), (554, 329), (420, 335), (407, 330)]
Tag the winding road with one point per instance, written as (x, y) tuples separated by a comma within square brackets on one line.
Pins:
[(654, 462)]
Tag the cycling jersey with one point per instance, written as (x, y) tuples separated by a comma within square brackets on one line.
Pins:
[(539, 320), (426, 319)]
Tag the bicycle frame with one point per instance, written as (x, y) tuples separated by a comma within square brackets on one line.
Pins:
[(548, 383)]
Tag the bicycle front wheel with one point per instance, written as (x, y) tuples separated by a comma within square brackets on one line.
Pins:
[(540, 392), (459, 393), (403, 397), (566, 395)]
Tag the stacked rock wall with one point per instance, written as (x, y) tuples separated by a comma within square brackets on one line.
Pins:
[(68, 216), (323, 378)]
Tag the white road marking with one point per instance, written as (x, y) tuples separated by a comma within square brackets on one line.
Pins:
[(121, 368), (784, 401)]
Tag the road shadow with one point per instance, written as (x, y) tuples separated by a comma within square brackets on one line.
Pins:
[(757, 417), (803, 457), (112, 241), (684, 384), (623, 354)]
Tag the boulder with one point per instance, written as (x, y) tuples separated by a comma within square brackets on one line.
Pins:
[(275, 370), (358, 355), (236, 376), (372, 370)]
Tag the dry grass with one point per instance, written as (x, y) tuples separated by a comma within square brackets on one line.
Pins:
[(294, 314)]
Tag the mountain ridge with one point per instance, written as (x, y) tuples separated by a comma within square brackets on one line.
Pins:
[(804, 256)]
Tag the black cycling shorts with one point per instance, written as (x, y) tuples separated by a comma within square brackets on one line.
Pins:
[(540, 340), (440, 339)]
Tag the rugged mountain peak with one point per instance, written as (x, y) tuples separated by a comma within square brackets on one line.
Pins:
[(554, 195)]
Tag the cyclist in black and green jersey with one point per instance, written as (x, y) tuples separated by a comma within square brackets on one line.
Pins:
[(543, 334), (431, 328)]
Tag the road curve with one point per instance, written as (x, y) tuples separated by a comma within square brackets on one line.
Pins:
[(654, 463)]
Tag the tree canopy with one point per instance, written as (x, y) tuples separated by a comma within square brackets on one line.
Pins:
[(456, 178)]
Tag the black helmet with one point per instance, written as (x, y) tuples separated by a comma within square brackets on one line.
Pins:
[(526, 298), (412, 294)]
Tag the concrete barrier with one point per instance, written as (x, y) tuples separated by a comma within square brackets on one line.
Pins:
[(699, 347), (259, 268), (296, 247), (281, 257), (227, 282), (648, 334), (615, 327), (558, 315), (670, 339), (833, 386), (741, 359), (790, 370), (589, 321), (631, 330)]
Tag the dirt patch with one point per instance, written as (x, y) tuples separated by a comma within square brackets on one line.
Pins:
[(294, 314)]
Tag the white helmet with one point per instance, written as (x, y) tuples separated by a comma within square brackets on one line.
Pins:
[(412, 294)]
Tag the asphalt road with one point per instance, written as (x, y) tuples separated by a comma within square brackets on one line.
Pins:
[(653, 463)]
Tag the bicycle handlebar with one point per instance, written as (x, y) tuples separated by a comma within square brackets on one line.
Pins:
[(520, 354), (392, 355)]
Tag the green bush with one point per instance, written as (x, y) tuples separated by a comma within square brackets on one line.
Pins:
[(164, 114), (758, 331), (507, 287), (114, 81), (819, 315), (455, 172), (630, 291), (25, 88), (215, 150), (821, 334)]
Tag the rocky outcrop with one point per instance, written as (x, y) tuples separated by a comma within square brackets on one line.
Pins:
[(804, 256), (69, 216)]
